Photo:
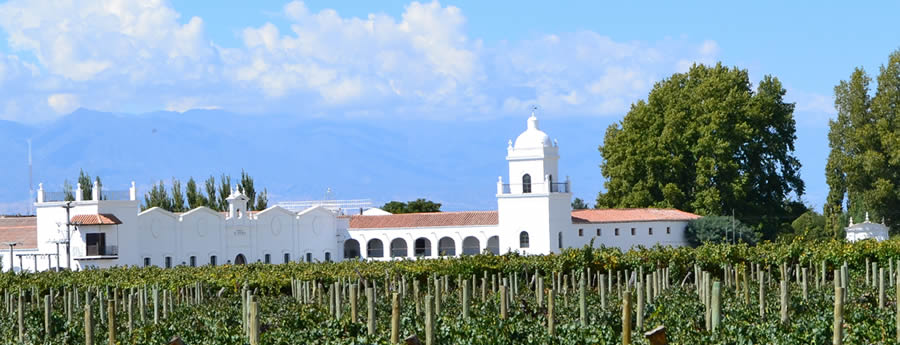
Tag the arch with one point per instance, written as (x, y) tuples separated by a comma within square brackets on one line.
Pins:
[(351, 249), (398, 248), (471, 246), (526, 183), (375, 248), (240, 259), (422, 247), (446, 247), (524, 241), (493, 245)]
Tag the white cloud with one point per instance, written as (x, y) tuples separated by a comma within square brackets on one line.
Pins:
[(104, 54), (63, 103)]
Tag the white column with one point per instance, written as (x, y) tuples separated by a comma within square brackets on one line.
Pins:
[(132, 192), (78, 193), (95, 191), (40, 199)]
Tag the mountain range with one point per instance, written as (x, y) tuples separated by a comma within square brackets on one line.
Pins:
[(453, 162)]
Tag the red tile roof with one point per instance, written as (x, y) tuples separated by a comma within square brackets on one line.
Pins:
[(18, 229), (617, 215), (96, 219), (424, 220)]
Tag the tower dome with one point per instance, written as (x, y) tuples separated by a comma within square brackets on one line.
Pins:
[(532, 137)]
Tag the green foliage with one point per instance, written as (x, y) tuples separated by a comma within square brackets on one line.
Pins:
[(157, 197), (177, 196), (211, 200), (719, 229), (579, 204), (224, 191), (69, 195), (87, 186), (863, 169), (194, 197), (262, 200), (809, 226), (706, 142), (285, 320), (248, 190), (415, 206)]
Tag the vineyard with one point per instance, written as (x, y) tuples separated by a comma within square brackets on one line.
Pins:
[(796, 293)]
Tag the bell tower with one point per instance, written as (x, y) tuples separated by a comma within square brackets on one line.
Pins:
[(534, 206)]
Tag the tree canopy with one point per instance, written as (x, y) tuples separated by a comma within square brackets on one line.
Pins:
[(706, 142), (579, 204), (863, 169), (178, 199), (415, 206), (719, 229)]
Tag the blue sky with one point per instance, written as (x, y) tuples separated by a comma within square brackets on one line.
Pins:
[(459, 60)]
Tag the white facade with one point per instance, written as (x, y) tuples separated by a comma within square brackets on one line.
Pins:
[(866, 230), (533, 216)]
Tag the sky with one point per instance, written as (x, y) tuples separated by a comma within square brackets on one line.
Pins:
[(446, 61)]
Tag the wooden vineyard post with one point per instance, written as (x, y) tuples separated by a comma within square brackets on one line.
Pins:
[(639, 291), (418, 303), (538, 289), (465, 299), (716, 305), (437, 297), (353, 303), (551, 303), (897, 312), (837, 330), (803, 284), (20, 315), (130, 311), (47, 313), (582, 304), (395, 318), (881, 288), (626, 317), (155, 306), (370, 302), (88, 324), (484, 289), (504, 298), (784, 301), (762, 294), (603, 286), (111, 320), (429, 321), (254, 323)]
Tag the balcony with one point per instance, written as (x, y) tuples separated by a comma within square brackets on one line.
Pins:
[(96, 253), (518, 188)]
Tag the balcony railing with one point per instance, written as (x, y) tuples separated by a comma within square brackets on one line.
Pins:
[(555, 187), (96, 251), (104, 195)]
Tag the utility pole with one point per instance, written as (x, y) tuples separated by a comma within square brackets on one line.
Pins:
[(11, 263), (68, 206), (732, 226)]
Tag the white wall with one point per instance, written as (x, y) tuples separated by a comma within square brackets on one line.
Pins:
[(433, 234), (626, 240)]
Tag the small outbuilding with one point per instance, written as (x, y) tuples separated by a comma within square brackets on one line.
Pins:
[(866, 230)]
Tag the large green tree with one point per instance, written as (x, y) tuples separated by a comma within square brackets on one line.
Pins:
[(863, 169), (415, 206), (705, 141)]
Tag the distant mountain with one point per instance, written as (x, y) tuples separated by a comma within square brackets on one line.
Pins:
[(455, 163)]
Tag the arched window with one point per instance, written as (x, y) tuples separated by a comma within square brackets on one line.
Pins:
[(560, 240), (327, 256), (446, 247), (267, 258), (526, 183), (494, 245), (351, 249), (212, 260), (193, 261), (308, 257), (523, 239), (471, 246), (398, 248), (422, 247), (287, 257), (168, 262), (375, 248), (240, 259)]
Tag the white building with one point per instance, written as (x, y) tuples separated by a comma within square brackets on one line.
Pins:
[(866, 230), (533, 216)]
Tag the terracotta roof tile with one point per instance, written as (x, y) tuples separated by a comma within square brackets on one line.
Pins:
[(19, 229), (96, 219), (616, 215), (424, 220)]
